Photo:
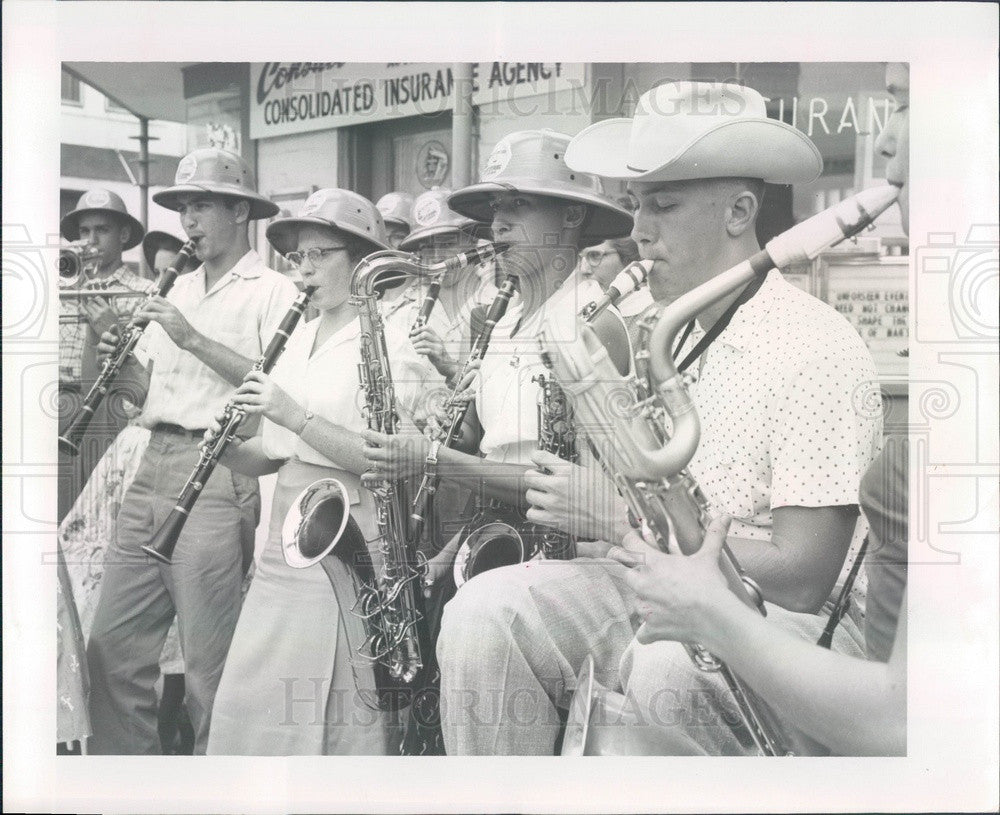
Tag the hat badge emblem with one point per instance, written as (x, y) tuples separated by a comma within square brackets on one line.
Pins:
[(427, 212), (313, 203), (97, 198), (186, 169), (498, 161)]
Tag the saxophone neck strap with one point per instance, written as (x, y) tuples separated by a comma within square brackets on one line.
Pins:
[(720, 325)]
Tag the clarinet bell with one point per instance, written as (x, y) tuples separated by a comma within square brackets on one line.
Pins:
[(162, 546)]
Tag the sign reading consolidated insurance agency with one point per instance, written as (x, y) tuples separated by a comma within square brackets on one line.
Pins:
[(296, 97)]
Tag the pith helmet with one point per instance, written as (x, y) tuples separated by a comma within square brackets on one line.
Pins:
[(155, 241), (532, 161), (396, 208), (100, 200), (336, 208), (690, 130), (221, 173), (432, 216)]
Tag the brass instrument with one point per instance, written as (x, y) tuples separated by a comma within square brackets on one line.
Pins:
[(648, 466), (498, 535), (628, 280), (69, 441), (77, 260), (388, 600), (162, 546), (77, 316)]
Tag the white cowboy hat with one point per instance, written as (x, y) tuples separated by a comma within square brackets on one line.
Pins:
[(689, 130)]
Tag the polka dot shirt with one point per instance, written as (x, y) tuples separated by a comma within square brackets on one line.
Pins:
[(785, 398)]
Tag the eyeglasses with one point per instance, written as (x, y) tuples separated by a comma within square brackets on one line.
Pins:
[(595, 256), (314, 255)]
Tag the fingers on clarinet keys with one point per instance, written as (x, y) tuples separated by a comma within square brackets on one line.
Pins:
[(108, 342)]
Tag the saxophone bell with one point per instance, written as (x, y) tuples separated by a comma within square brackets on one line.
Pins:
[(317, 522)]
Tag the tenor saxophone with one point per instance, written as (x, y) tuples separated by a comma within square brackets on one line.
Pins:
[(384, 592), (626, 420)]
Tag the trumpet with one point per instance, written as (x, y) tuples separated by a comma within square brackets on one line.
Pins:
[(628, 280), (77, 259), (69, 441), (649, 466), (76, 316), (162, 546)]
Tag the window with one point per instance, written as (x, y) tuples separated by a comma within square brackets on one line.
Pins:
[(71, 89)]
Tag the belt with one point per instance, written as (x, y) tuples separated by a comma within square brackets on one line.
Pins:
[(177, 430)]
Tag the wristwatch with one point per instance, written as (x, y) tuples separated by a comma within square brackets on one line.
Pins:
[(308, 418)]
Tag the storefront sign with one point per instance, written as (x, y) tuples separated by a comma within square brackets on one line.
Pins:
[(875, 298), (297, 97)]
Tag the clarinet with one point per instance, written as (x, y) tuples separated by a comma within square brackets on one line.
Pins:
[(628, 280), (69, 441), (456, 410), (163, 544), (427, 306)]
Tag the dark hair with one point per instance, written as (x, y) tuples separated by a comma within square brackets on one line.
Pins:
[(627, 249)]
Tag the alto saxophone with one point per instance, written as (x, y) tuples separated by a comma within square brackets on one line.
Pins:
[(647, 464), (387, 600)]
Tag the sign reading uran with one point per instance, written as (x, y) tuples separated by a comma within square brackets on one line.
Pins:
[(296, 97)]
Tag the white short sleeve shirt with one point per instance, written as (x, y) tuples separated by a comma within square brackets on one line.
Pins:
[(241, 312)]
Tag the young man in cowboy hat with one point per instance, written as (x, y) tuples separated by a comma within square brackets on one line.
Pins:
[(546, 212), (159, 250), (852, 706), (102, 221), (200, 343), (782, 445)]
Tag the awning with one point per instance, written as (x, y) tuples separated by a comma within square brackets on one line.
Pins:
[(150, 90)]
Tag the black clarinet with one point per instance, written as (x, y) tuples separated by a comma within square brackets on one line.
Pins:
[(428, 486), (427, 306), (69, 441), (163, 544)]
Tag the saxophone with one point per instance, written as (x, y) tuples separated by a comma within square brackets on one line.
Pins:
[(386, 600), (498, 535), (626, 419), (556, 435)]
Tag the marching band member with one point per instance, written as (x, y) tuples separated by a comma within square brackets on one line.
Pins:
[(442, 233), (602, 263), (199, 344), (546, 212), (444, 340), (397, 215), (159, 249), (852, 706), (785, 457), (102, 221), (288, 685)]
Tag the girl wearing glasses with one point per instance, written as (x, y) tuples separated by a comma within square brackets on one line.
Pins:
[(602, 263), (288, 686)]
